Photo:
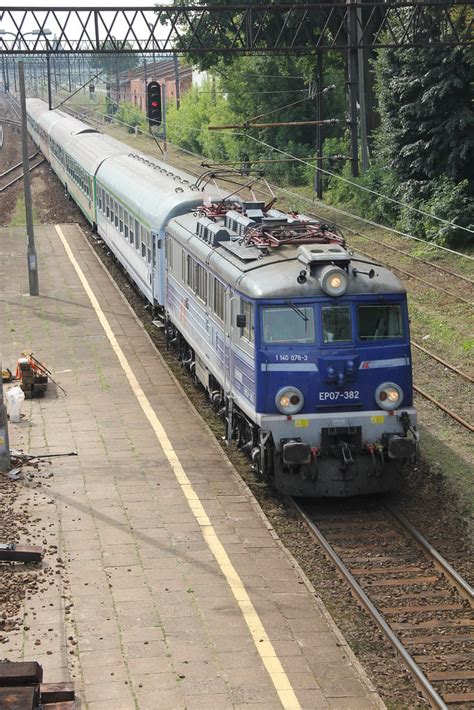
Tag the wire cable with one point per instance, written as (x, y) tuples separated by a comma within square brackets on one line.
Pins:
[(304, 198), (361, 187)]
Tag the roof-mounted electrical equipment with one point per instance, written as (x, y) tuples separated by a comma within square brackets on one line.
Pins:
[(211, 232)]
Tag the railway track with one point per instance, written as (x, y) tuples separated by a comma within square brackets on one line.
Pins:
[(10, 173), (420, 603)]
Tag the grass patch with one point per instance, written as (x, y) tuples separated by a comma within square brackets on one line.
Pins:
[(19, 216), (447, 333)]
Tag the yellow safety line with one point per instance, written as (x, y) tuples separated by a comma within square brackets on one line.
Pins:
[(262, 642)]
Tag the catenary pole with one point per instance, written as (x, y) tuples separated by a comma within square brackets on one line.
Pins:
[(31, 251)]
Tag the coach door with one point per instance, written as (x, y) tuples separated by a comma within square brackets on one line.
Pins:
[(158, 264)]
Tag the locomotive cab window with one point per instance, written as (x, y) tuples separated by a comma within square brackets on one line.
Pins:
[(337, 327), (380, 322), (288, 324)]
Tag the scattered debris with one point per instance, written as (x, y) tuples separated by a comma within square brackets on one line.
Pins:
[(23, 458), (14, 474)]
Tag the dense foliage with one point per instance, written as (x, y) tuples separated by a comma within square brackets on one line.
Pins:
[(273, 88), (424, 147)]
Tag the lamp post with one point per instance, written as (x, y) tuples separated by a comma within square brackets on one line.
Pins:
[(32, 260), (37, 33), (6, 79)]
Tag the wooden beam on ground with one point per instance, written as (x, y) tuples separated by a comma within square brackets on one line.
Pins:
[(19, 698), (57, 692), (20, 553), (21, 673)]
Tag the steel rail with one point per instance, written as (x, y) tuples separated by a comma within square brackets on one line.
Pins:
[(430, 692), (18, 165), (1, 136), (463, 587), (412, 256), (20, 177), (443, 408), (443, 362), (423, 281), (10, 121)]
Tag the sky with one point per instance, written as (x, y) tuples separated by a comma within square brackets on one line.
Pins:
[(119, 27)]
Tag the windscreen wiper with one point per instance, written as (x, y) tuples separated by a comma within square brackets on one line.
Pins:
[(298, 311)]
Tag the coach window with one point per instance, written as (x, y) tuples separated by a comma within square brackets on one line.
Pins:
[(132, 233), (137, 235), (189, 271), (143, 233), (218, 299), (336, 324), (125, 223), (148, 246), (200, 282), (116, 216), (169, 252), (111, 209), (121, 219), (380, 322), (247, 331)]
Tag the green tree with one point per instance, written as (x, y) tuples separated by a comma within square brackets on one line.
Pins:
[(426, 136)]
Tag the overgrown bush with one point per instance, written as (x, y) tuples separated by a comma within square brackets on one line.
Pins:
[(443, 198), (348, 192), (132, 116)]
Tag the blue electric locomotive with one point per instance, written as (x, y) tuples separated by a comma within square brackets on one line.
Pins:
[(302, 344), (305, 345)]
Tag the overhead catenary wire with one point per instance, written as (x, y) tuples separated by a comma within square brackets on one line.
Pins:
[(346, 213), (294, 103), (362, 187)]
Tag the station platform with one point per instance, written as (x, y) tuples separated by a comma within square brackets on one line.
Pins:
[(163, 584)]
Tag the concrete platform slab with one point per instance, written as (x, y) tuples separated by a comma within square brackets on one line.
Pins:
[(172, 591)]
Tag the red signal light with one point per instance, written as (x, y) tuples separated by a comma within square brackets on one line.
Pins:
[(154, 106)]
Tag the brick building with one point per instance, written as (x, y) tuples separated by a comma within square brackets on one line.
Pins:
[(134, 81)]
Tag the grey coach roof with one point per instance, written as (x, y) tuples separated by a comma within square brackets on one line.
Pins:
[(154, 189)]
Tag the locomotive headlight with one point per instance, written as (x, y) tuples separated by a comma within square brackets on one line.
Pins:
[(334, 281), (389, 396), (289, 400)]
